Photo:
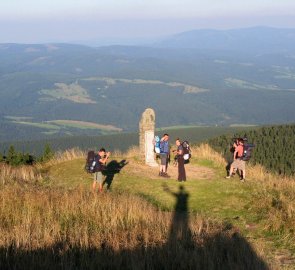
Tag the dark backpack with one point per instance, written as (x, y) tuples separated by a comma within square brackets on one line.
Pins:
[(90, 162), (247, 151), (186, 150)]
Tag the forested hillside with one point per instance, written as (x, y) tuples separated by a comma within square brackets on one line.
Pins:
[(121, 141), (274, 147), (54, 90)]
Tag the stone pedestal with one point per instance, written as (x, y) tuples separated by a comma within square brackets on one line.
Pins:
[(146, 136)]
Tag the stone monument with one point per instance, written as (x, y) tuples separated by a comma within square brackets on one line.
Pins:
[(146, 136)]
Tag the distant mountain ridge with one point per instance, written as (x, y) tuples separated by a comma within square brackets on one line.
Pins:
[(53, 90), (255, 39)]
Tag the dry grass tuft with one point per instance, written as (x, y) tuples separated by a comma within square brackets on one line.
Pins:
[(67, 155), (204, 151), (22, 173), (133, 152), (59, 224)]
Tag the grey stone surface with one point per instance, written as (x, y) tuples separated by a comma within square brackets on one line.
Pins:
[(146, 136)]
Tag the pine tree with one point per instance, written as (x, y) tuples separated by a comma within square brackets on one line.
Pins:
[(47, 154), (11, 155)]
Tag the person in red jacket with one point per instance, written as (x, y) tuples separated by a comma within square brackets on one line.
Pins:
[(238, 162)]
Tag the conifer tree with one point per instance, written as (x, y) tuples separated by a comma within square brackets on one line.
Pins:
[(47, 154)]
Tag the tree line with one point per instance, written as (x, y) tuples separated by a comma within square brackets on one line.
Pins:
[(16, 158), (119, 141), (274, 147)]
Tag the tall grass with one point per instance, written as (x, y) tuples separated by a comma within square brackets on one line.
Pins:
[(274, 199), (204, 151), (53, 226), (24, 173), (67, 155), (78, 229), (273, 195)]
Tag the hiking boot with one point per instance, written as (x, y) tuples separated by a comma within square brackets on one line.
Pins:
[(243, 180), (228, 177), (160, 173), (165, 175)]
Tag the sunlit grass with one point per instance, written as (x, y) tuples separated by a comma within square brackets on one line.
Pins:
[(262, 208)]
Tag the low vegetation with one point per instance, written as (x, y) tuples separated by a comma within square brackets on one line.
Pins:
[(56, 221), (274, 147)]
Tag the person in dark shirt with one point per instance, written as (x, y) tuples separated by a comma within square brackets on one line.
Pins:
[(100, 159), (180, 161)]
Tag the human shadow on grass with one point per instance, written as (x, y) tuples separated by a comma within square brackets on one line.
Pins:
[(222, 250), (112, 168)]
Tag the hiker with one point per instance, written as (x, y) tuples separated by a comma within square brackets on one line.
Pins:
[(238, 162), (232, 150), (100, 159), (180, 161), (164, 155)]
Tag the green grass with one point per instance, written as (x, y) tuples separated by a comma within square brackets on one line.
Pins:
[(72, 92), (228, 201), (84, 125), (56, 125), (68, 174), (38, 125), (178, 127), (218, 198)]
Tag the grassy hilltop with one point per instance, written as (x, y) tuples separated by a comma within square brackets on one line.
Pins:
[(50, 218)]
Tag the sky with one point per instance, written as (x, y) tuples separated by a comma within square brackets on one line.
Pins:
[(90, 21)]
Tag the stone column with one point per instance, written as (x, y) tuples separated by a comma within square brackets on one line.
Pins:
[(146, 136)]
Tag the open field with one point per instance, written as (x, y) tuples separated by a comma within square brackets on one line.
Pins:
[(142, 221), (72, 92), (59, 124), (42, 125), (187, 89), (84, 125)]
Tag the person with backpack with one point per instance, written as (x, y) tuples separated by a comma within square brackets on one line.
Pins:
[(100, 160), (238, 161), (232, 150), (180, 161), (164, 155)]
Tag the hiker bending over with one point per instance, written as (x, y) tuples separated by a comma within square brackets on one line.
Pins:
[(164, 155), (100, 159), (238, 162), (180, 161)]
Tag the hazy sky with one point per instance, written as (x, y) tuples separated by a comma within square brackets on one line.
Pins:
[(38, 21)]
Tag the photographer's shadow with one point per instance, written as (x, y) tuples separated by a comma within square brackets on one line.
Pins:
[(112, 168)]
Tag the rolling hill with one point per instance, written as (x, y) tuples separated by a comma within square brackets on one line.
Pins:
[(45, 84)]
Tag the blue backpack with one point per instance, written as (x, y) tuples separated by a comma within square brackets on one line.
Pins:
[(157, 144)]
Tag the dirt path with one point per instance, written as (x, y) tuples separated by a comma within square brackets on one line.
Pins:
[(193, 172)]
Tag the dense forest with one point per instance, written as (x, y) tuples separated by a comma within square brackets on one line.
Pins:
[(274, 147), (121, 141)]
